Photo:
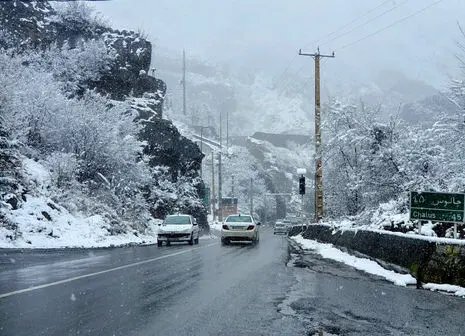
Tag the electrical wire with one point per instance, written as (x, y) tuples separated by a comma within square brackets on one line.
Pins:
[(330, 34), (348, 24), (286, 69), (365, 23), (392, 24)]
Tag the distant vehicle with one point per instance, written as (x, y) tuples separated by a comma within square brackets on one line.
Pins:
[(292, 220), (281, 227), (178, 228), (286, 221), (239, 228)]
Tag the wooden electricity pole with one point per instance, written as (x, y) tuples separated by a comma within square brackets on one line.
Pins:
[(318, 161), (184, 110), (220, 189), (251, 196), (213, 187)]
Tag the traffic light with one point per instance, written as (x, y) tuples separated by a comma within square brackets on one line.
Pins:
[(302, 185)]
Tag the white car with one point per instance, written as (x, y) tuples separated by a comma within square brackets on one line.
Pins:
[(239, 228), (280, 227), (178, 228)]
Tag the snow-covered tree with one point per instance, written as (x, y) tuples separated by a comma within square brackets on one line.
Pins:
[(74, 67), (362, 157)]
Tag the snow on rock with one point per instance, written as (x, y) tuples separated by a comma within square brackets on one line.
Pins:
[(39, 222), (44, 224), (456, 290), (369, 266)]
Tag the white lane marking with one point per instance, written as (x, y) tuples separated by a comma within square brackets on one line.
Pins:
[(30, 289)]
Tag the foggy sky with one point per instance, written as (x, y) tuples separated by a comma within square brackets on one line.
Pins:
[(265, 35)]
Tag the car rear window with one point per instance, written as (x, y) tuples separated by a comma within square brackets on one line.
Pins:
[(236, 219), (177, 220)]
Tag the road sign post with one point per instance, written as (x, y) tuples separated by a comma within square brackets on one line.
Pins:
[(437, 207)]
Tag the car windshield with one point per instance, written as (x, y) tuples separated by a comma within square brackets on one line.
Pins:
[(177, 220), (237, 219)]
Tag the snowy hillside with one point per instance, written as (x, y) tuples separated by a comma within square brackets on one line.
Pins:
[(41, 222), (87, 159)]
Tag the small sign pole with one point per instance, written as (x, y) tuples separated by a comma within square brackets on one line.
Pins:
[(455, 230)]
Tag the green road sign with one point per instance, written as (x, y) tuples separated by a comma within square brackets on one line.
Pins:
[(206, 198), (437, 207)]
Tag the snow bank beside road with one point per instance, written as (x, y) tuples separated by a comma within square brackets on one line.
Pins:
[(362, 264), (369, 266)]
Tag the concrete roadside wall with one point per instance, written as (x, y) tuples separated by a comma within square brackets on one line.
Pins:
[(427, 261)]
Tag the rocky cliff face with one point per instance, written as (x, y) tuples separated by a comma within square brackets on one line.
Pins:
[(36, 25), (25, 24)]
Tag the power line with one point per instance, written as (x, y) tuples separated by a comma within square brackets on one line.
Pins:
[(302, 88), (349, 23), (364, 23), (286, 69), (393, 24), (290, 80)]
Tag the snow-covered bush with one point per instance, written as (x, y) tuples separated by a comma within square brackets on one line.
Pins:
[(89, 145), (78, 14), (64, 168), (6, 40), (74, 67)]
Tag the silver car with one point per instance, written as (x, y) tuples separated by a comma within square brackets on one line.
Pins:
[(239, 228)]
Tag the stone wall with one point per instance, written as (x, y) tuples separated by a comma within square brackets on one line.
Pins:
[(426, 260)]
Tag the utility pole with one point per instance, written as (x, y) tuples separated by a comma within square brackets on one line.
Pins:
[(318, 161), (227, 130), (220, 196), (221, 130), (184, 82), (232, 185), (201, 151), (251, 196), (213, 187)]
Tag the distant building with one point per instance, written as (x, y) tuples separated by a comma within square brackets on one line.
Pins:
[(228, 206)]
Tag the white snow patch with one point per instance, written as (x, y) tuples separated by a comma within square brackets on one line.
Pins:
[(64, 229), (140, 51), (456, 290), (36, 172), (369, 266), (42, 223)]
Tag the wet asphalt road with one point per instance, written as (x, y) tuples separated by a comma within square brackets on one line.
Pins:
[(209, 289)]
